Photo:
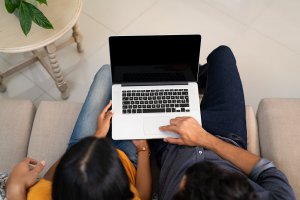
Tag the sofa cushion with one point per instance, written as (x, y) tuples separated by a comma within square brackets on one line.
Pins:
[(53, 125), (279, 134), (16, 117)]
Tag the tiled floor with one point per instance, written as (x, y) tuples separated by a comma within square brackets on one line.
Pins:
[(263, 34)]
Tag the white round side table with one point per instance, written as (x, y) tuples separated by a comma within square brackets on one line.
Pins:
[(63, 14)]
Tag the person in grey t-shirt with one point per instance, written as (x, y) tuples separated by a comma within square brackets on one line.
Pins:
[(221, 140)]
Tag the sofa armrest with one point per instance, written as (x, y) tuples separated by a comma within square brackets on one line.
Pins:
[(252, 131), (16, 117), (279, 134), (53, 124)]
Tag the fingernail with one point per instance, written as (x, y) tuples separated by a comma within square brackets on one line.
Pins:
[(43, 162)]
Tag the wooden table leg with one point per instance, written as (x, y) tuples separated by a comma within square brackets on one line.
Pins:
[(77, 37), (2, 86), (55, 68)]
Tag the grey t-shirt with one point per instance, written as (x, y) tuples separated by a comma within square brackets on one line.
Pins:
[(266, 179)]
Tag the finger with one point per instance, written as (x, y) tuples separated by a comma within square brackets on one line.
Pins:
[(30, 161), (181, 118), (108, 116), (177, 141), (104, 111), (169, 128), (39, 167), (174, 121)]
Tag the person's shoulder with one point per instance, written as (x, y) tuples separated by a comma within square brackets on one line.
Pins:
[(41, 190)]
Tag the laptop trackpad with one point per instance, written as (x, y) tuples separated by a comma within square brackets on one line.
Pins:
[(152, 124)]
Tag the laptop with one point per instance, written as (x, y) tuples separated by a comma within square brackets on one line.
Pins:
[(154, 79)]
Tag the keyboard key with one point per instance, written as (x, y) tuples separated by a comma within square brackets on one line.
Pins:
[(128, 111), (184, 105), (168, 110), (124, 111), (139, 110), (133, 110), (153, 110)]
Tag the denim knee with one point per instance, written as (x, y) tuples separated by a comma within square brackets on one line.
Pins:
[(105, 69)]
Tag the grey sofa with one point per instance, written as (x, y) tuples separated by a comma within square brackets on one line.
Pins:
[(43, 132)]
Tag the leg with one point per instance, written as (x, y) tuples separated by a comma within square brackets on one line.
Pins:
[(98, 96), (223, 105), (77, 37), (2, 87), (58, 77)]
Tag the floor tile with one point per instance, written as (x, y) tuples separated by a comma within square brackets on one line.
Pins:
[(188, 17), (281, 23), (116, 14), (241, 10), (19, 87), (267, 68)]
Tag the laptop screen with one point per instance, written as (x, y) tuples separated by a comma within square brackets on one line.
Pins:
[(150, 59)]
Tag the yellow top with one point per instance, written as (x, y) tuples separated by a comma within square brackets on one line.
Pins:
[(42, 190)]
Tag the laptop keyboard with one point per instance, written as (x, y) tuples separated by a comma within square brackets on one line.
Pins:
[(154, 101)]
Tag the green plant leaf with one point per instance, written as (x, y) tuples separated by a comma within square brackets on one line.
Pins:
[(39, 18), (42, 1), (25, 17), (16, 3), (10, 6)]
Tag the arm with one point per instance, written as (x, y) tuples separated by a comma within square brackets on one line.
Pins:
[(192, 134), (143, 176), (23, 176)]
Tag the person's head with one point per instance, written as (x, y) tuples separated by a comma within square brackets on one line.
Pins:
[(91, 169), (206, 181)]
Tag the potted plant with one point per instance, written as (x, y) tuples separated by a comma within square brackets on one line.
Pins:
[(28, 12)]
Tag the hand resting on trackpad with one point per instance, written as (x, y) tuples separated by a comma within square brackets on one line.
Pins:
[(152, 124)]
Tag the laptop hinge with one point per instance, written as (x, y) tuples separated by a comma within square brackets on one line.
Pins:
[(154, 83)]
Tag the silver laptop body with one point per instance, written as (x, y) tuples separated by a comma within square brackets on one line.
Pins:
[(154, 80)]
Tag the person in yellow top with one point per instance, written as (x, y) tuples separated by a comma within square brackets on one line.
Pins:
[(94, 167)]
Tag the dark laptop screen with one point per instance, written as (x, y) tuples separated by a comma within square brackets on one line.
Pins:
[(149, 59)]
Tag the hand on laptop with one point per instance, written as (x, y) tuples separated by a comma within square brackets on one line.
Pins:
[(190, 131), (104, 121)]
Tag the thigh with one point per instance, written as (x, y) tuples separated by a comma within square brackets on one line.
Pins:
[(98, 97), (223, 104)]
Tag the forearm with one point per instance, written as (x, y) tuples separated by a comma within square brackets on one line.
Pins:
[(143, 176), (239, 157), (15, 192)]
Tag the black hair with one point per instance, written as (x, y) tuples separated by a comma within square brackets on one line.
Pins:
[(90, 170), (206, 181)]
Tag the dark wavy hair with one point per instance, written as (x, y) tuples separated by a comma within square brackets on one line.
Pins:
[(90, 170), (207, 181)]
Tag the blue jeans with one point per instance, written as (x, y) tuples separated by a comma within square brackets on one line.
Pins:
[(98, 97)]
